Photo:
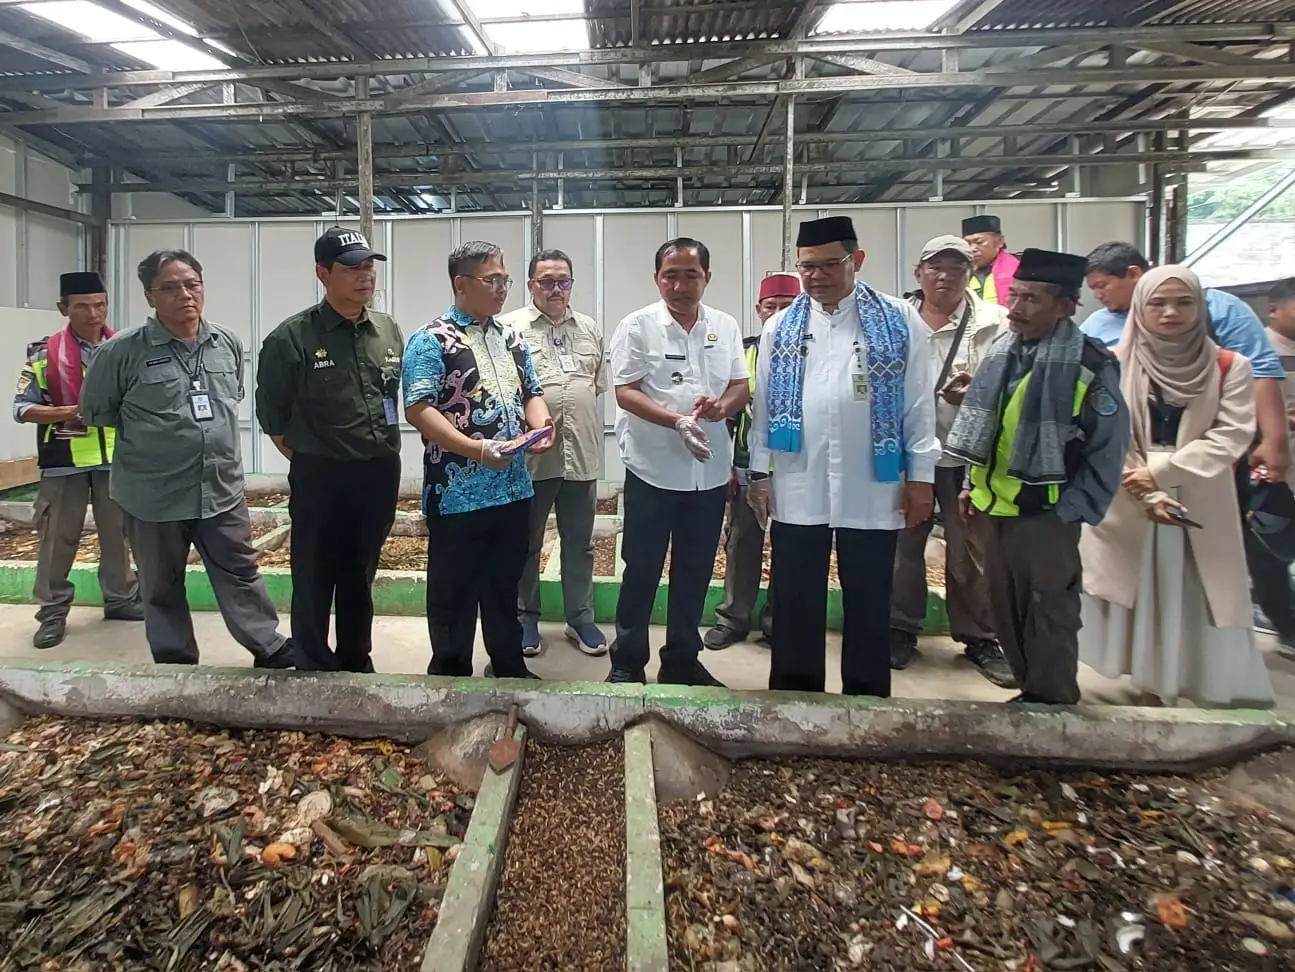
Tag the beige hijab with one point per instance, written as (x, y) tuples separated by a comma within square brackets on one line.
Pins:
[(1184, 366)]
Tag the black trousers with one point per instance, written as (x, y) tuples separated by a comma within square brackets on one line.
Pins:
[(865, 561), (474, 563), (1270, 585), (341, 515), (689, 523)]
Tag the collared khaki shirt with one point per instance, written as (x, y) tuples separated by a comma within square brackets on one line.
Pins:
[(571, 395), (167, 465), (330, 386)]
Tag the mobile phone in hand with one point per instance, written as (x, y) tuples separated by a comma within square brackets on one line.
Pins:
[(529, 441)]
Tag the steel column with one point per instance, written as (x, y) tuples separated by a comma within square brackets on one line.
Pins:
[(788, 176)]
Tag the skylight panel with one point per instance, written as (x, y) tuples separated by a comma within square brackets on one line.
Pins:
[(97, 23), (875, 16), (536, 36), (171, 55)]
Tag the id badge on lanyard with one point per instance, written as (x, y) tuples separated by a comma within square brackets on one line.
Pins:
[(566, 360), (859, 381), (200, 402)]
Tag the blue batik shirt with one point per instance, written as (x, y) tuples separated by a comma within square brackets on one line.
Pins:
[(478, 374)]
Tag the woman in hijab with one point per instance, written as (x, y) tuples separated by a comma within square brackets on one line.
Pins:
[(1165, 585)]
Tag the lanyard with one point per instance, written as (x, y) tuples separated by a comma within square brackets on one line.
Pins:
[(195, 358)]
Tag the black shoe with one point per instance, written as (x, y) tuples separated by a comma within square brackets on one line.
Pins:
[(130, 611), (50, 633), (1261, 622), (722, 636), (1025, 698), (691, 674), (990, 661), (284, 658), (623, 676), (903, 649), (524, 673)]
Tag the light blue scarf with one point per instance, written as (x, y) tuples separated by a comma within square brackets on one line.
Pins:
[(885, 336)]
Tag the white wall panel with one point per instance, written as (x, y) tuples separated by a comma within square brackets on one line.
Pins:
[(49, 182), (140, 242), (881, 268), (18, 328), (53, 248), (8, 256), (509, 233), (417, 287), (722, 234), (420, 285)]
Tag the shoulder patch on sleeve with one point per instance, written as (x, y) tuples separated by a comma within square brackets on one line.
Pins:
[(1104, 402)]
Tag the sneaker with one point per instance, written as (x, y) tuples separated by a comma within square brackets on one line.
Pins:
[(531, 644), (130, 611), (50, 633), (722, 636), (525, 673), (587, 638), (990, 661), (690, 674), (624, 676), (903, 649)]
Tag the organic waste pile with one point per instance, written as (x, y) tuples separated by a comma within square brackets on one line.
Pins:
[(172, 847), (560, 906), (822, 866)]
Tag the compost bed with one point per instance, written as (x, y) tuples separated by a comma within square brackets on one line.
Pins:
[(824, 865), (172, 847), (23, 543), (560, 906)]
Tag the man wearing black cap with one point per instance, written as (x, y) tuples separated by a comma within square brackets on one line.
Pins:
[(327, 394), (74, 462), (842, 442), (1044, 430), (992, 266)]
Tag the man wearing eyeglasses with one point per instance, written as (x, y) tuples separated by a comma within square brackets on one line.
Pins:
[(567, 350), (472, 391), (171, 389), (327, 388)]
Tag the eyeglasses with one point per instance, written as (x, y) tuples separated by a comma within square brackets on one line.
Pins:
[(494, 281), (554, 283), (807, 269), (174, 289)]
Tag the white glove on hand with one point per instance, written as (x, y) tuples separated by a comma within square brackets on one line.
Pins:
[(759, 496), (694, 438), (492, 454)]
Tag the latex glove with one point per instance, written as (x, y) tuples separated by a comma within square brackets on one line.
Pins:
[(694, 438), (759, 496), (709, 409), (492, 454)]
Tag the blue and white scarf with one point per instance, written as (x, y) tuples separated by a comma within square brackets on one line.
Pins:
[(885, 336)]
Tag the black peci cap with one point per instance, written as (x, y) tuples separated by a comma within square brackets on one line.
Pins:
[(981, 224), (1065, 270), (82, 282), (820, 232), (344, 246)]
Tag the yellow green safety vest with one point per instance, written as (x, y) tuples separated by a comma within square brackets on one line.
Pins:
[(85, 451), (986, 290), (993, 491)]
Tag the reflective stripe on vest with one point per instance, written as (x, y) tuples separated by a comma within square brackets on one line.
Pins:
[(993, 491), (741, 443), (986, 290), (82, 451)]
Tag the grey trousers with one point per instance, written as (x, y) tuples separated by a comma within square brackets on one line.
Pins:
[(744, 565), (965, 585), (1034, 574), (224, 542), (60, 521), (576, 504)]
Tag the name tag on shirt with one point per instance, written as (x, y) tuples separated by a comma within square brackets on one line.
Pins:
[(389, 407), (566, 362), (859, 381), (200, 403)]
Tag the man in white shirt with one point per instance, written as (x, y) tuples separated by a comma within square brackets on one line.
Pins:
[(960, 328), (844, 399), (680, 373)]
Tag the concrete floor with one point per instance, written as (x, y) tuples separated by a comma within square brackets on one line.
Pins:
[(401, 646)]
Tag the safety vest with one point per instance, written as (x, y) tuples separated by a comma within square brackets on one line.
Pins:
[(82, 451), (741, 448), (996, 493), (985, 290)]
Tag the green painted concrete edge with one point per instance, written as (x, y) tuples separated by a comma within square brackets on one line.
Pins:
[(466, 906), (645, 917), (403, 593)]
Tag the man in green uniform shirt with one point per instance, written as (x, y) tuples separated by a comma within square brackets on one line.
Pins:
[(326, 393)]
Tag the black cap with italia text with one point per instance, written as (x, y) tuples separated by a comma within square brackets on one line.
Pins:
[(345, 246)]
